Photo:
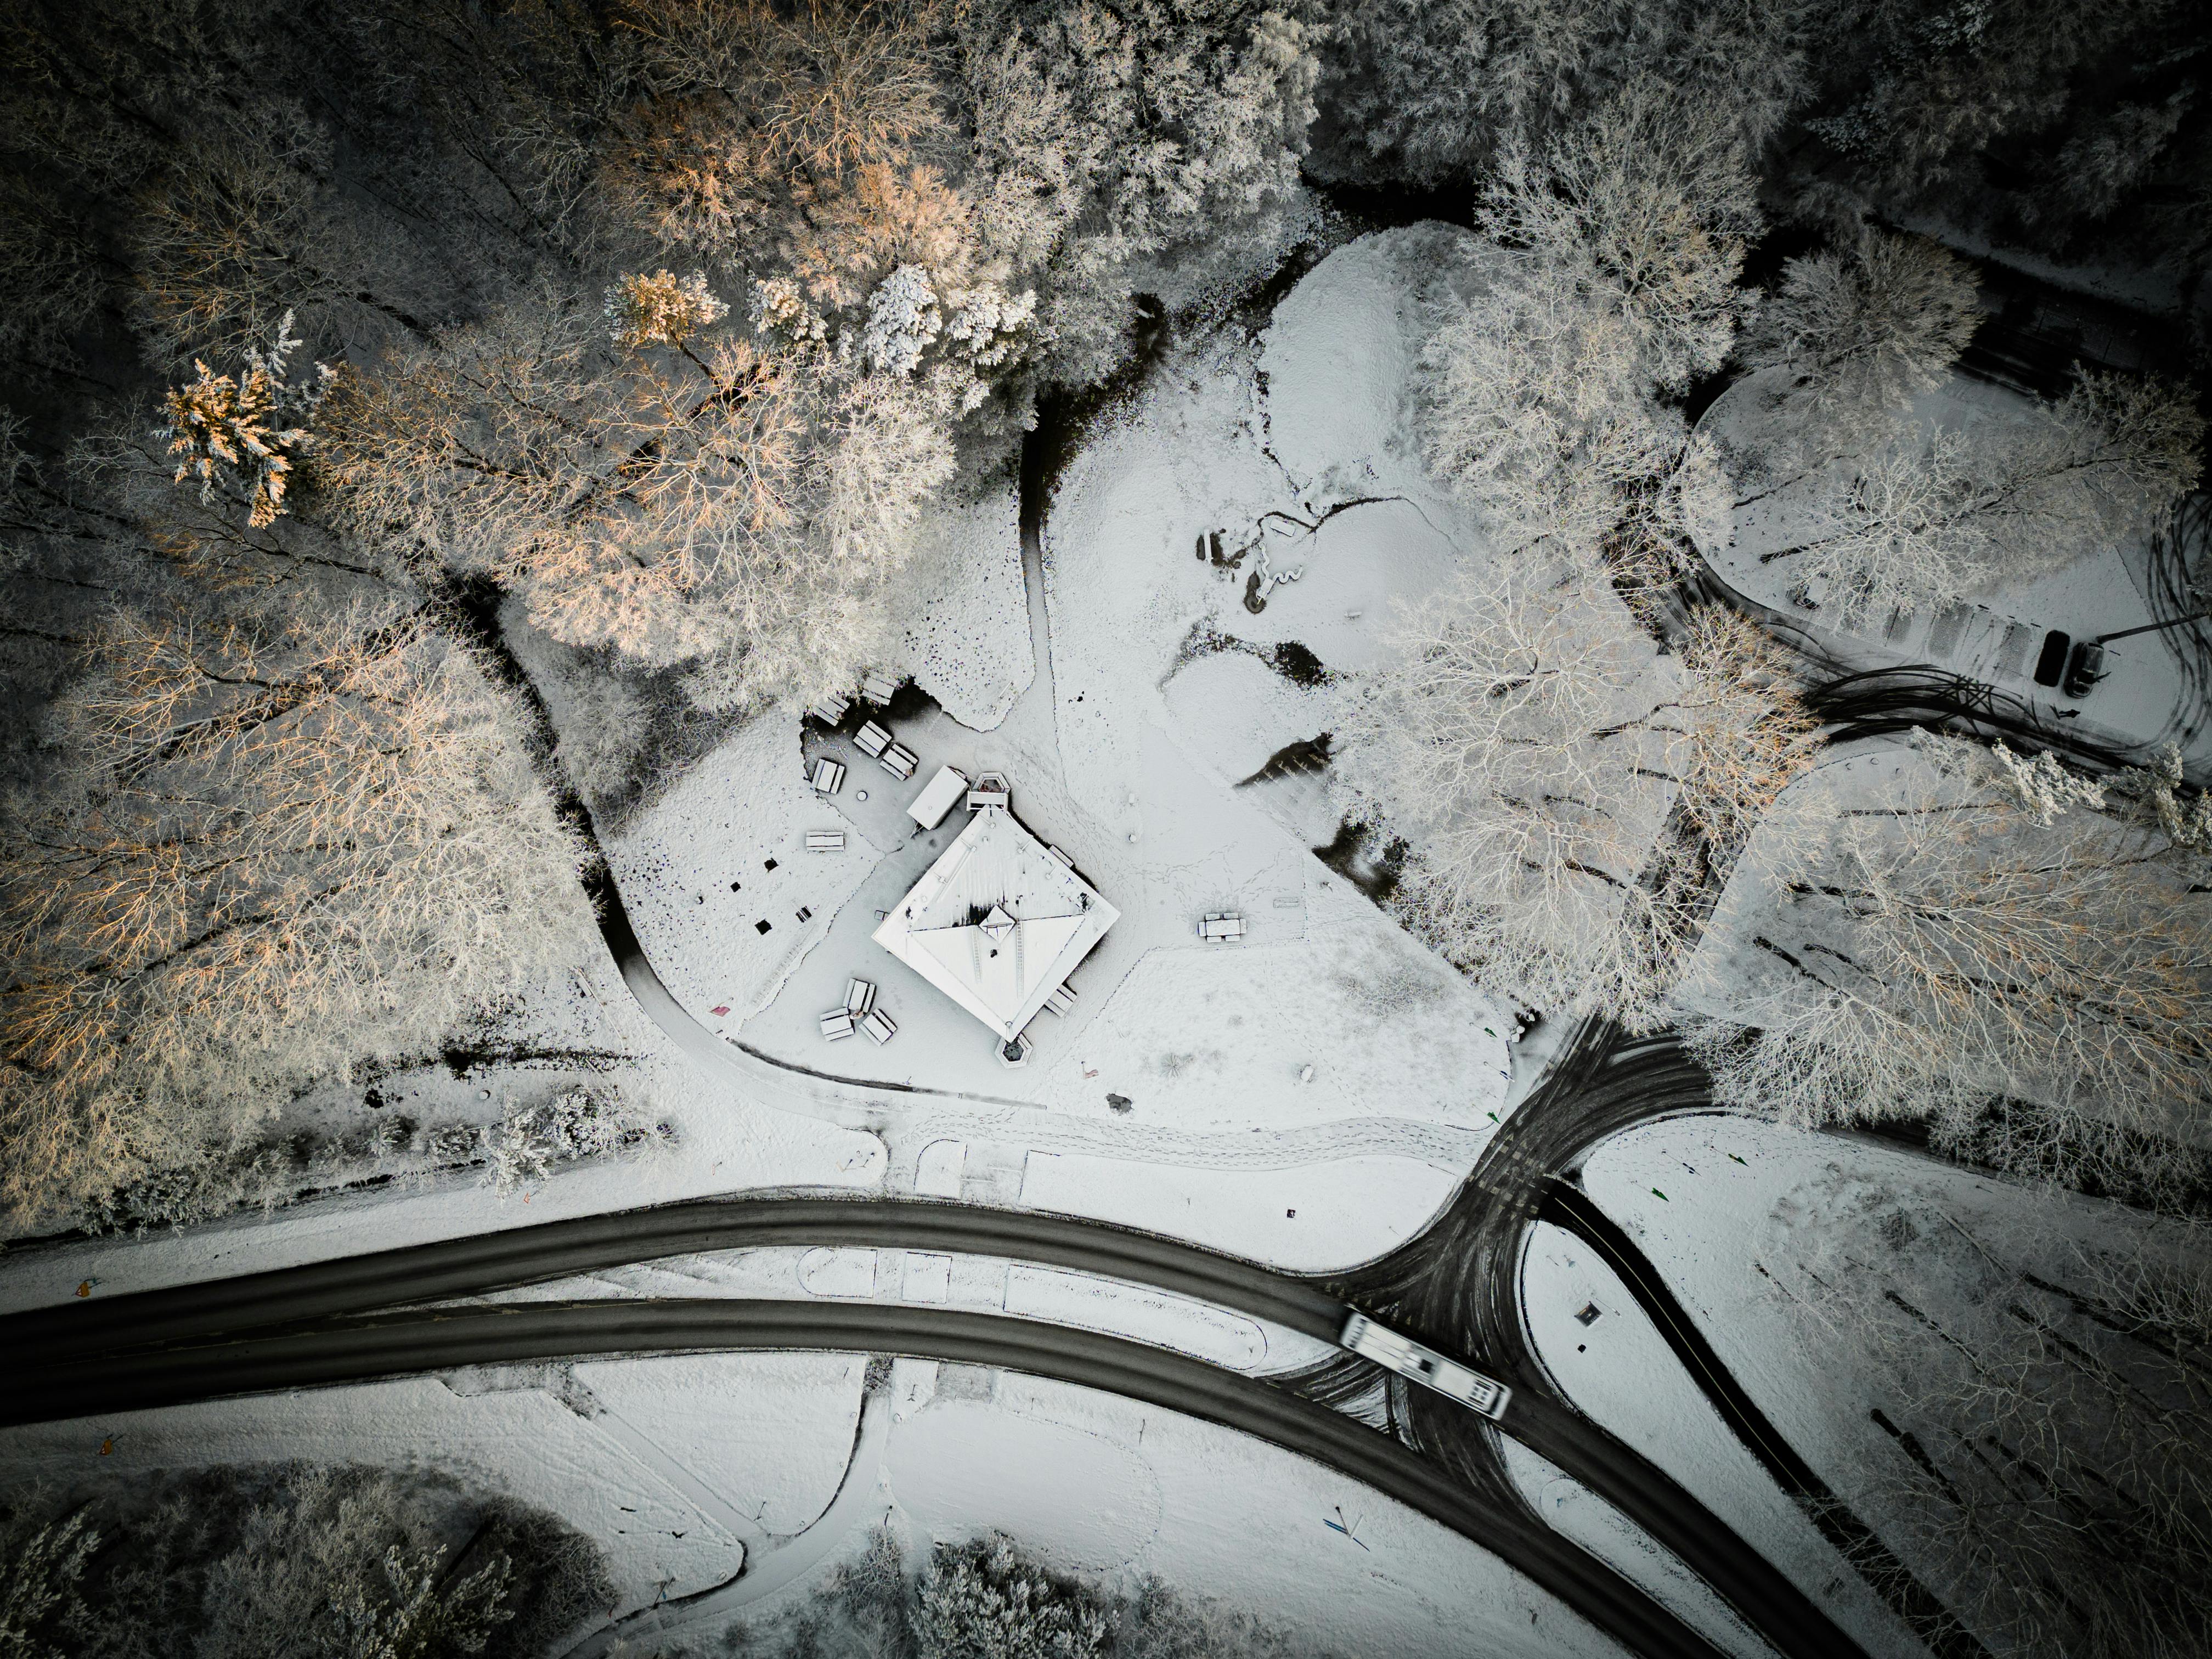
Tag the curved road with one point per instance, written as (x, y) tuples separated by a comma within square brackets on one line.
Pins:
[(135, 1343), (1457, 1287), (390, 1345)]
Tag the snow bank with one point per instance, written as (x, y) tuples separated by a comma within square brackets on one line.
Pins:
[(1135, 1312), (1341, 350)]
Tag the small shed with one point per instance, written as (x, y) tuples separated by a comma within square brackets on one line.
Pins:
[(937, 797)]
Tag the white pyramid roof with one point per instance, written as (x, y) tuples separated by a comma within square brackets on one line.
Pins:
[(997, 922)]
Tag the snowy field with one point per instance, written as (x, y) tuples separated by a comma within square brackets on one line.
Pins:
[(1618, 1370), (1737, 1213)]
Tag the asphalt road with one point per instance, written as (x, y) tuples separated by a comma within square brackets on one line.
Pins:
[(361, 1349), (134, 1343), (1457, 1286)]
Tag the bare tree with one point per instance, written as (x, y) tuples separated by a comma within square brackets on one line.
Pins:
[(1746, 735), (1646, 205), (1958, 945), (2053, 1420), (1948, 512), (1860, 334), (1535, 408), (281, 846), (1536, 752)]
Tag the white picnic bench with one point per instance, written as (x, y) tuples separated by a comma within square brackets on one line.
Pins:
[(1221, 927)]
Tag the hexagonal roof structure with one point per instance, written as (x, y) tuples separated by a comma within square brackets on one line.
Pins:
[(997, 922)]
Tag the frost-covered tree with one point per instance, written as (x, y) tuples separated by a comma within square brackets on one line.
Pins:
[(1535, 407), (274, 845), (239, 433), (982, 1600), (661, 309), (1425, 90), (732, 508), (1934, 518), (313, 1562), (1106, 136), (41, 1567), (1645, 203), (1860, 334), (1520, 741), (1961, 943)]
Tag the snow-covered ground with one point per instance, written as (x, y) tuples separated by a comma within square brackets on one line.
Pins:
[(965, 638), (1309, 1097), (1618, 1370), (1995, 637), (1732, 1211), (1355, 1054)]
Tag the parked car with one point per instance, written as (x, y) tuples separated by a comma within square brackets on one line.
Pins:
[(2086, 670)]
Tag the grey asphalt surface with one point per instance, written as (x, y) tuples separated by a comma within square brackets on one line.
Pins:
[(154, 1340), (362, 1349)]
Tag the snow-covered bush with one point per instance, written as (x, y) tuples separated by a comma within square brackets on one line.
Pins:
[(41, 1567), (528, 1141), (982, 1600)]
